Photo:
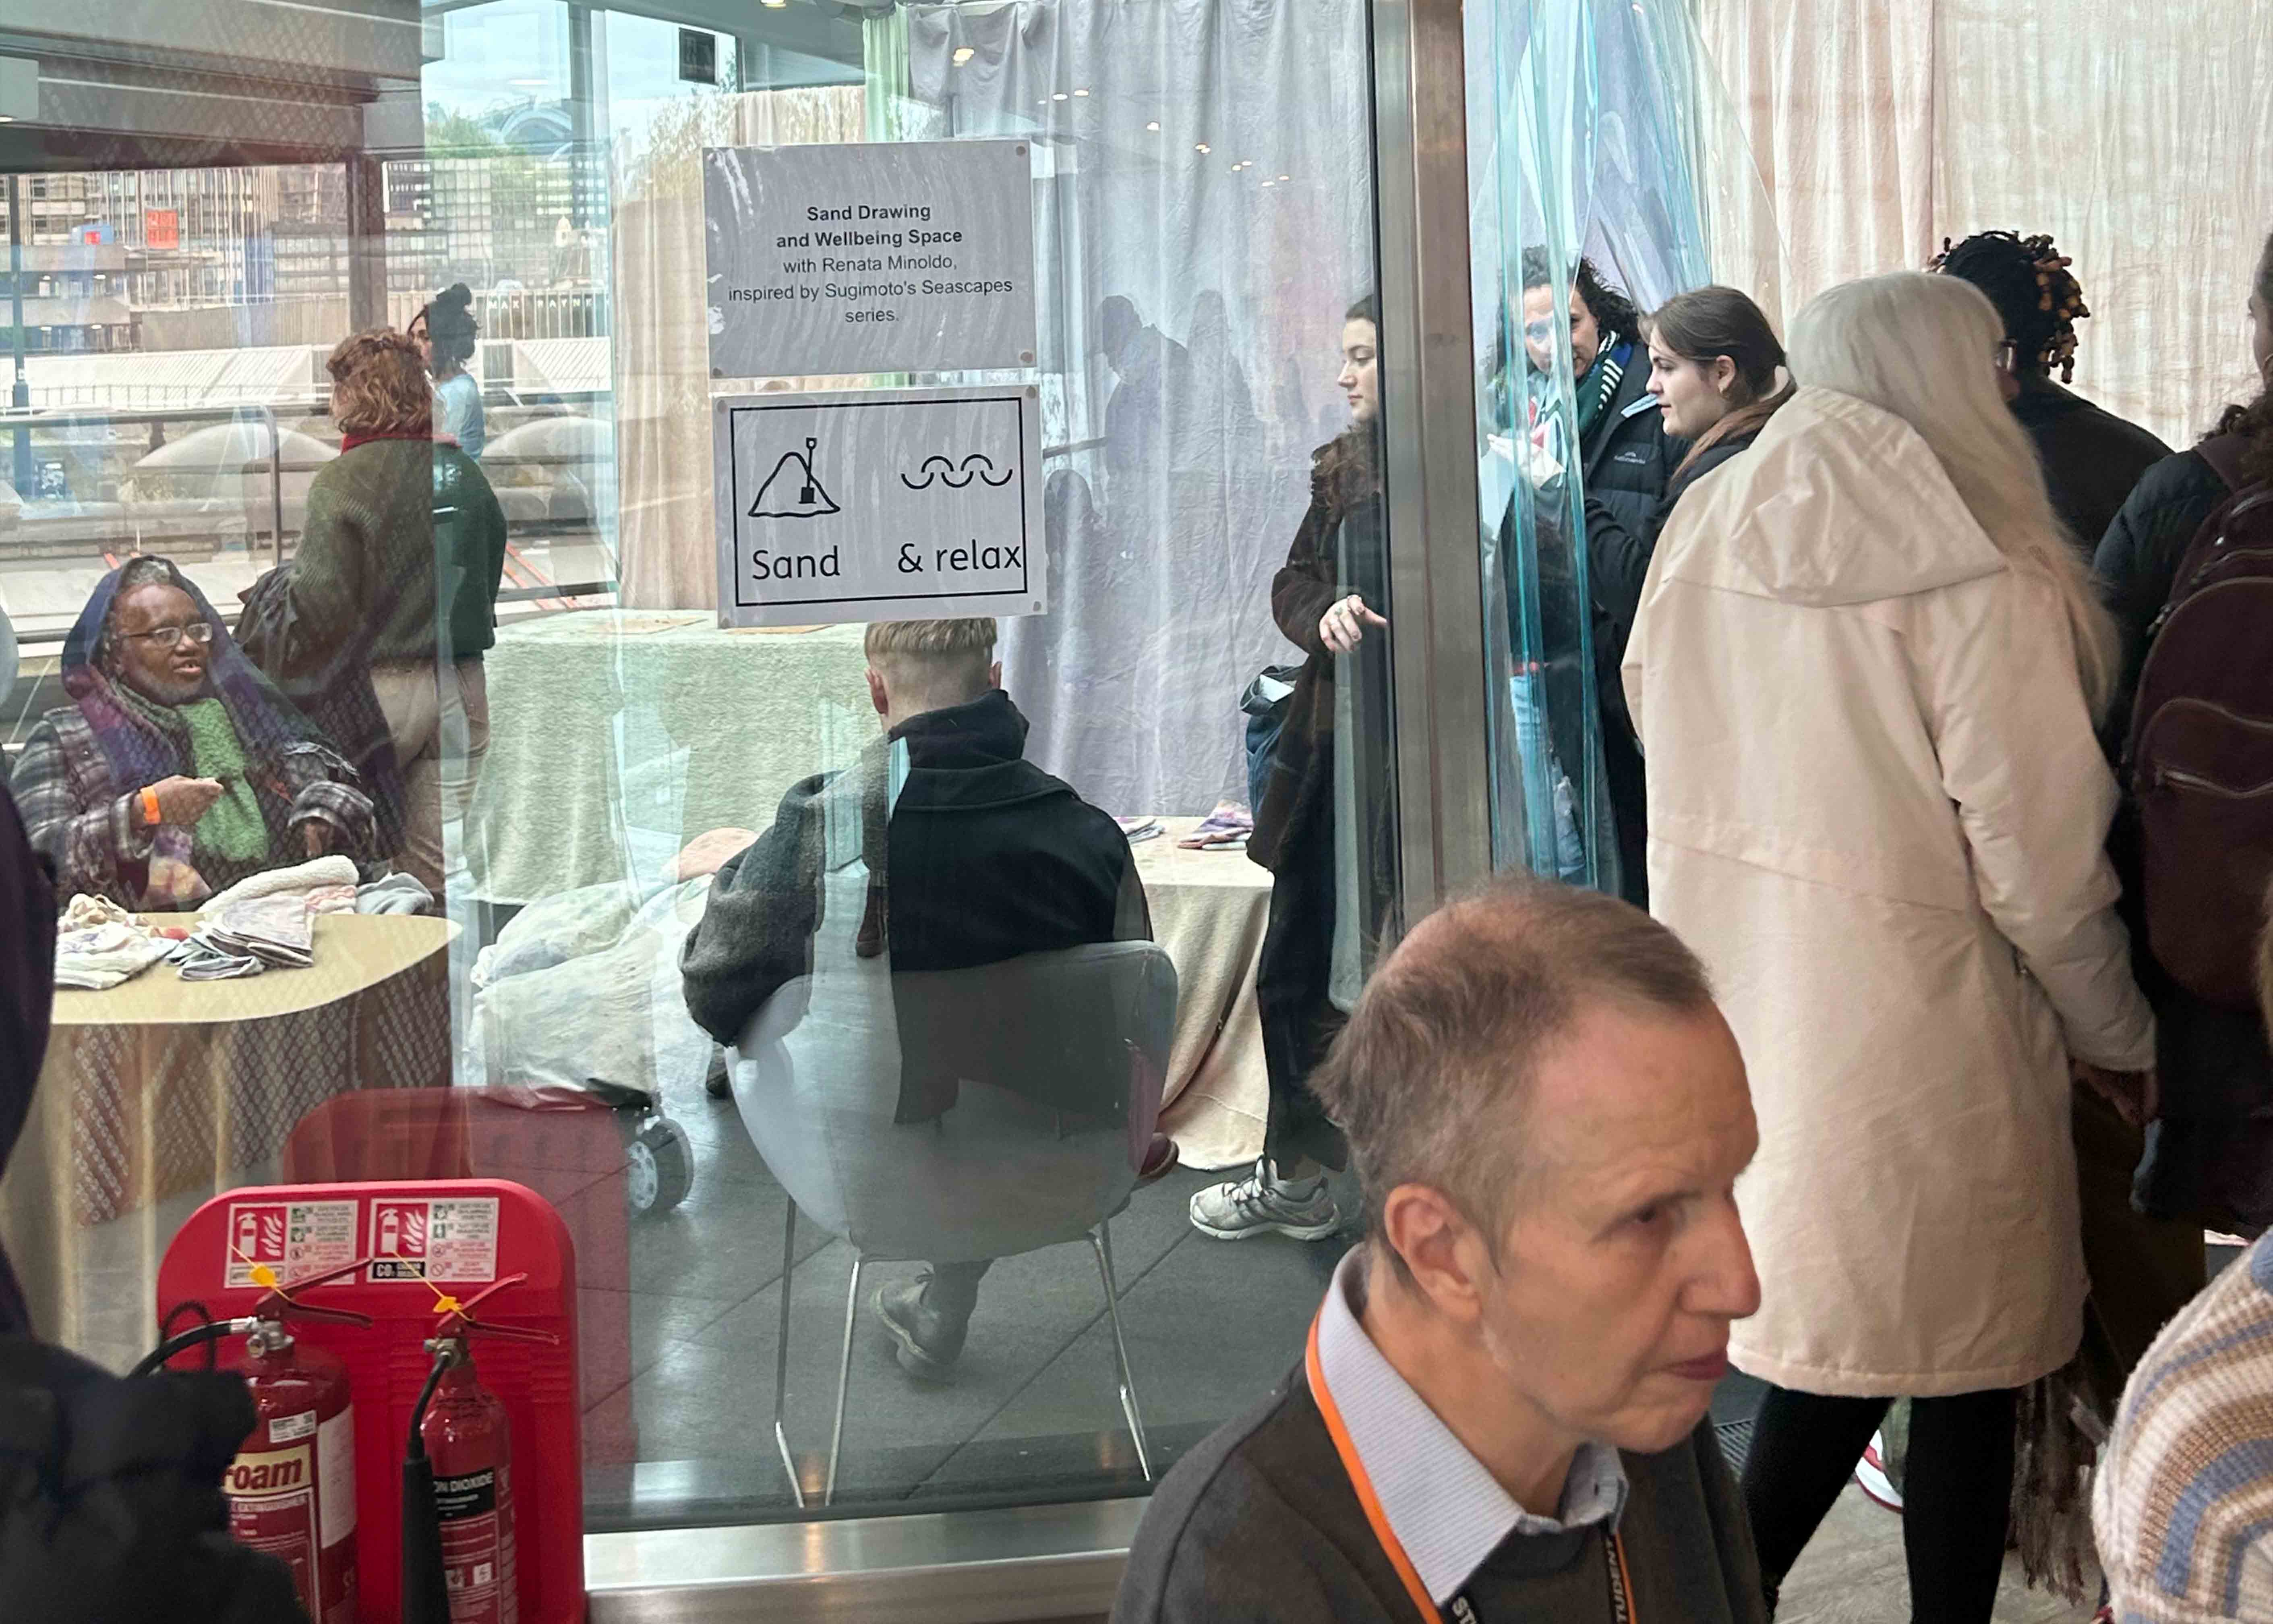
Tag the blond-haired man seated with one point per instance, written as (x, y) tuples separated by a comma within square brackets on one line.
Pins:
[(979, 857)]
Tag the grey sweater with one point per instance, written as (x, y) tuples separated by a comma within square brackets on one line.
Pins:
[(1260, 1523)]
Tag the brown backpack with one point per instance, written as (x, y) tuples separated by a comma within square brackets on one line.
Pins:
[(2201, 752)]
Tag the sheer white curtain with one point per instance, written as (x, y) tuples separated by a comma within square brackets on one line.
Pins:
[(1203, 218), (2138, 132)]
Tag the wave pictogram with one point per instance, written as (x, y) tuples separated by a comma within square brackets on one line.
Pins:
[(943, 470)]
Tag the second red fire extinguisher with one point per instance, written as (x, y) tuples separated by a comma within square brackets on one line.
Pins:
[(458, 1563)]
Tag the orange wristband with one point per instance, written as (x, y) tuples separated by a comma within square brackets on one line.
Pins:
[(150, 813)]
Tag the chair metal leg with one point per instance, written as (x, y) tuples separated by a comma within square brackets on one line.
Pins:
[(844, 1378), (1100, 1241), (781, 1356)]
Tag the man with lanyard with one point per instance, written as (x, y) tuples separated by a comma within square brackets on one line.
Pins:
[(1501, 1413)]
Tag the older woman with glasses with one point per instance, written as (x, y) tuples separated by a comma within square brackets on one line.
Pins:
[(178, 768)]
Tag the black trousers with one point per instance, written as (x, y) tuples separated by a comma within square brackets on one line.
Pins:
[(1292, 976), (1956, 1493)]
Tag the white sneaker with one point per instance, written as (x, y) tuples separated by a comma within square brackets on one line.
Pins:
[(1259, 1203), (1871, 1475)]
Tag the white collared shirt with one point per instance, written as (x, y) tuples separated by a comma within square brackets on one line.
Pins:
[(1448, 1512)]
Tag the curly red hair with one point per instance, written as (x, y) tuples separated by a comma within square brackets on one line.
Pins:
[(379, 385)]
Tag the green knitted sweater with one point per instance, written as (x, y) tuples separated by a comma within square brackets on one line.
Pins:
[(404, 545)]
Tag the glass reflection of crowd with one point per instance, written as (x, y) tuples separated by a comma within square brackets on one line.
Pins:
[(1865, 622)]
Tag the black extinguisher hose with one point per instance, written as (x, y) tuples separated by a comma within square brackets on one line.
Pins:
[(211, 1331), (425, 1597)]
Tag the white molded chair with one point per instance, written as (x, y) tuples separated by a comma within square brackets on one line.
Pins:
[(952, 1116)]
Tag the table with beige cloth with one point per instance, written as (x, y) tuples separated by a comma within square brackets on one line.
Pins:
[(159, 1093), (1209, 909), (616, 736)]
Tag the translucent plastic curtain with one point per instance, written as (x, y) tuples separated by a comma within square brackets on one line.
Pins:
[(1594, 127)]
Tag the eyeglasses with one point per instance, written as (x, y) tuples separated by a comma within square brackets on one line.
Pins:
[(169, 637)]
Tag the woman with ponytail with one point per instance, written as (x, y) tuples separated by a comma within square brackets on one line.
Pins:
[(1713, 364)]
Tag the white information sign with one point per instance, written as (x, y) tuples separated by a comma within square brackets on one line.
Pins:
[(879, 504), (903, 256)]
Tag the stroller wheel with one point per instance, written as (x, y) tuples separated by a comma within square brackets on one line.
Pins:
[(658, 1168)]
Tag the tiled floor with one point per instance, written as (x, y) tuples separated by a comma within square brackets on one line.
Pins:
[(1210, 1327), (1852, 1574)]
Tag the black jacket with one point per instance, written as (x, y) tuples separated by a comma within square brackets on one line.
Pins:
[(110, 1503), (2137, 561), (985, 857), (27, 923), (1627, 458), (1258, 1524), (2209, 1158), (1618, 555), (2091, 458), (1336, 550), (1627, 462)]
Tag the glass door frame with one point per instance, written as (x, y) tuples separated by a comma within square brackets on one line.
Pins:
[(1065, 1560)]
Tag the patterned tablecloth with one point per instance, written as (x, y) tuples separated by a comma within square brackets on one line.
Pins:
[(618, 735), (160, 1092), (1209, 909)]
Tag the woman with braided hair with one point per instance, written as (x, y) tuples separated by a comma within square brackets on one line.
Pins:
[(2091, 457)]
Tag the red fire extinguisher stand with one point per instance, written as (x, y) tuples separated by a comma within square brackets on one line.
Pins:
[(420, 1246)]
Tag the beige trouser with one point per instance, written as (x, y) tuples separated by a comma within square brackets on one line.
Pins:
[(439, 718)]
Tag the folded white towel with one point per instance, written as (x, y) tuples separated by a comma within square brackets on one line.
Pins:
[(309, 876)]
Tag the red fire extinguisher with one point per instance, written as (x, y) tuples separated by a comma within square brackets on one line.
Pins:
[(458, 1565), (291, 1487)]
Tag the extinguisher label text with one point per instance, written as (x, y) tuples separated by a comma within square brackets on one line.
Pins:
[(297, 1504), (294, 1239), (335, 1464), (270, 1473), (284, 1429), (453, 1240), (475, 1510), (469, 1496)]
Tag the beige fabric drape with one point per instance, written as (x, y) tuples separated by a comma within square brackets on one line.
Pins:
[(2138, 132), (662, 344)]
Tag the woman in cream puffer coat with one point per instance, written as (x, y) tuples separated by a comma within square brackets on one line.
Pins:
[(1865, 675)]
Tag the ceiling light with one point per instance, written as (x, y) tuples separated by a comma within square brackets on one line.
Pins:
[(1081, 93), (7, 118), (1202, 147), (773, 5), (964, 53), (1268, 184), (1057, 95), (529, 83), (1154, 126), (1286, 177)]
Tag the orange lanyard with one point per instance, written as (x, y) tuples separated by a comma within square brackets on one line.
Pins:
[(1621, 1583)]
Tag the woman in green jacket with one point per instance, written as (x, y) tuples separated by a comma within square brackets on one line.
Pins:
[(399, 563)]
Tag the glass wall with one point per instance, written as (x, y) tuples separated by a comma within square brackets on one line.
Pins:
[(844, 996)]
